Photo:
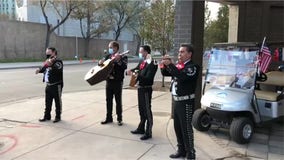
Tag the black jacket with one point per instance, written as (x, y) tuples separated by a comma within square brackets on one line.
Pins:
[(55, 73), (185, 79), (118, 68), (146, 75)]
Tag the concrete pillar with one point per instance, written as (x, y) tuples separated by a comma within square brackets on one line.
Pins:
[(233, 23), (189, 28), (183, 23)]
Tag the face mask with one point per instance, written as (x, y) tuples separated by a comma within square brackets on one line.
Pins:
[(48, 56), (110, 51), (140, 56)]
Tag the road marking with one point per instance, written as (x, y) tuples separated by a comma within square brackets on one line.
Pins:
[(30, 126), (79, 117), (11, 138)]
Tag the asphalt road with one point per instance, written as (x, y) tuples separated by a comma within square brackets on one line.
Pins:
[(18, 84)]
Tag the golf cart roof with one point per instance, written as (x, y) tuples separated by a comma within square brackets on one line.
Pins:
[(250, 45)]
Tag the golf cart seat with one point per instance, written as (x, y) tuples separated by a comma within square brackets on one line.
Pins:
[(267, 95), (274, 78)]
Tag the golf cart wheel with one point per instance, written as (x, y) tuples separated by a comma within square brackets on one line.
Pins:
[(241, 130), (201, 120)]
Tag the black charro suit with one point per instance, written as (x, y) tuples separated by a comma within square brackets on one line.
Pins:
[(146, 73), (53, 76), (183, 87), (114, 85)]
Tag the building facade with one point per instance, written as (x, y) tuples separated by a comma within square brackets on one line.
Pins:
[(8, 8), (30, 11)]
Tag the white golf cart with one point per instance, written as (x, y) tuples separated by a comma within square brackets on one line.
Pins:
[(234, 95)]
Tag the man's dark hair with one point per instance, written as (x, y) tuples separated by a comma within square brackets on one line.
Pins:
[(146, 48), (189, 47), (115, 44), (53, 50)]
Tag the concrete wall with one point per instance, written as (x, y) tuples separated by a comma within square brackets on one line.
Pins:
[(20, 40)]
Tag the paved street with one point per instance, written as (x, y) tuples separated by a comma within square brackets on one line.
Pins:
[(81, 136), (23, 83)]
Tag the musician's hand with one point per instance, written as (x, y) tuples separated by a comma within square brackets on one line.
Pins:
[(37, 71), (117, 57), (101, 62), (48, 62), (166, 60), (129, 72), (53, 59)]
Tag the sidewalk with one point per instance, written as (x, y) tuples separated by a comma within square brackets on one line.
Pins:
[(81, 136)]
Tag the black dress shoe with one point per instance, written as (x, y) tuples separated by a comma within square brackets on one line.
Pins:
[(56, 120), (120, 123), (106, 121), (177, 155), (146, 136), (190, 157), (137, 132), (44, 119)]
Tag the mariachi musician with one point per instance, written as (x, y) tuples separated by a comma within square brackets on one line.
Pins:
[(53, 77), (184, 79), (114, 82), (147, 69)]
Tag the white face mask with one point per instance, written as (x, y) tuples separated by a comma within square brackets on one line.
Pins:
[(140, 56)]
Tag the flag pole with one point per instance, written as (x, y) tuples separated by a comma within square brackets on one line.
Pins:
[(262, 44), (259, 54)]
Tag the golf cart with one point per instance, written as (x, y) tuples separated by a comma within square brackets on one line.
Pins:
[(235, 95)]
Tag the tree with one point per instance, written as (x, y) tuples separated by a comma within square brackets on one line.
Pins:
[(122, 13), (88, 12), (216, 30), (62, 8), (158, 25), (135, 25)]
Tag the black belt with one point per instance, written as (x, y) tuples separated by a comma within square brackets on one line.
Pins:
[(183, 98), (144, 86), (52, 84)]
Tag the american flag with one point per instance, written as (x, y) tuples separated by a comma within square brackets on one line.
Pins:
[(265, 58)]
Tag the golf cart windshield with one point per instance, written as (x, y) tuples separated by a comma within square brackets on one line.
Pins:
[(232, 68)]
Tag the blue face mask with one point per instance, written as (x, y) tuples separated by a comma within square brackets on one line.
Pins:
[(140, 56), (110, 51)]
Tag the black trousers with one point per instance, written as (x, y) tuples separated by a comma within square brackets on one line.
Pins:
[(53, 92), (114, 88), (145, 112), (183, 111)]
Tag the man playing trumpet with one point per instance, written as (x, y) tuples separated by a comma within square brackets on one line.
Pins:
[(145, 78), (184, 78), (53, 77)]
